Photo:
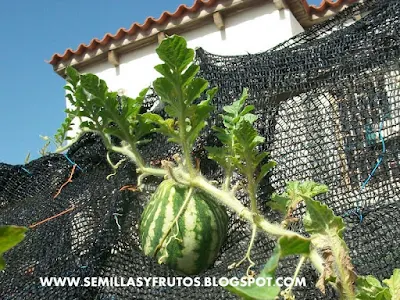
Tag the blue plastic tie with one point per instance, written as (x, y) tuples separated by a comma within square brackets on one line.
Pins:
[(26, 170), (72, 162), (355, 211), (358, 211)]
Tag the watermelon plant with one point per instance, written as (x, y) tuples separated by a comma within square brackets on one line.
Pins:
[(185, 222)]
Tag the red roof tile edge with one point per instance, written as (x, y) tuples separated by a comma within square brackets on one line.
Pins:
[(325, 5), (165, 16)]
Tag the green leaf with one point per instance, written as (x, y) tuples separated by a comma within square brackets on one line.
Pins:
[(320, 219), (153, 118), (394, 284), (61, 133), (174, 52), (164, 70), (293, 195), (246, 140), (247, 136), (94, 85), (233, 109), (100, 110), (326, 231), (279, 203), (246, 110), (69, 88), (225, 138), (131, 107), (143, 128), (195, 89), (312, 189), (71, 99), (73, 75), (265, 169), (189, 74), (228, 121), (198, 120), (258, 158), (218, 154), (10, 236), (250, 118), (240, 139), (211, 93), (294, 245), (165, 89), (178, 89), (87, 124), (114, 131), (166, 127), (370, 288), (266, 292), (236, 106), (81, 101)]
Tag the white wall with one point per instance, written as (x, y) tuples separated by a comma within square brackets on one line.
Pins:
[(250, 31)]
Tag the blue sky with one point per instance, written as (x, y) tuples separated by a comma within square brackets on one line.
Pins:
[(31, 94)]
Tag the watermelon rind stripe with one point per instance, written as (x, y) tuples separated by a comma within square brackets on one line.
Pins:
[(195, 241)]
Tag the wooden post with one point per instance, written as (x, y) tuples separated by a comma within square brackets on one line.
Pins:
[(340, 141), (218, 20), (279, 4), (113, 58), (160, 37)]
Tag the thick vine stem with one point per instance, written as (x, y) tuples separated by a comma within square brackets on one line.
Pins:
[(198, 181), (234, 204), (229, 200), (316, 260), (153, 171), (148, 171)]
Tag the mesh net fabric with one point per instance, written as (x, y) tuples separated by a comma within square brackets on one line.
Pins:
[(326, 98)]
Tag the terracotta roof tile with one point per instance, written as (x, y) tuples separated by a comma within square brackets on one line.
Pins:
[(166, 16), (325, 5), (122, 32)]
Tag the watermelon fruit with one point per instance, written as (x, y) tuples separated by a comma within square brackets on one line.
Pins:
[(193, 243)]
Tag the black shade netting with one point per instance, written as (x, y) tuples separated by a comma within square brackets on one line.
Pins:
[(328, 102)]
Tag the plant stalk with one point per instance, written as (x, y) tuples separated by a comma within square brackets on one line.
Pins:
[(346, 289), (317, 261), (252, 193), (288, 292), (185, 147), (228, 178), (234, 204)]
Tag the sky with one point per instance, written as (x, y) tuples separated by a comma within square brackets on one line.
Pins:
[(32, 99)]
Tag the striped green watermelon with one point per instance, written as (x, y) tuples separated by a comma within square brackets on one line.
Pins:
[(193, 244)]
